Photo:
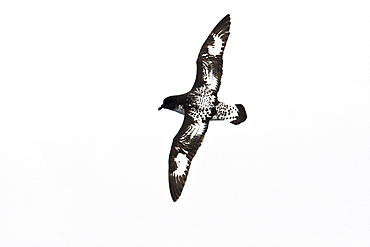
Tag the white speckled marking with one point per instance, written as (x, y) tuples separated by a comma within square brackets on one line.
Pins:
[(203, 99), (226, 112)]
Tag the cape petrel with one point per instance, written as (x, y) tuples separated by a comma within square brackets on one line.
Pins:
[(200, 105)]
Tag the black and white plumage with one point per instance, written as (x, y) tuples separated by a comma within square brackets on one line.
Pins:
[(200, 105)]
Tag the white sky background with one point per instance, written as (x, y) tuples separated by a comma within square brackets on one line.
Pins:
[(84, 151)]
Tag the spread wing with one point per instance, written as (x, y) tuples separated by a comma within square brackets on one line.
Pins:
[(209, 63), (184, 147)]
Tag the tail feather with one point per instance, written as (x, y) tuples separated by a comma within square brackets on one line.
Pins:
[(234, 113), (242, 115)]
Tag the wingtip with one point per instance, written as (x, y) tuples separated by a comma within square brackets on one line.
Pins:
[(223, 25), (176, 186), (227, 17), (175, 195), (174, 199)]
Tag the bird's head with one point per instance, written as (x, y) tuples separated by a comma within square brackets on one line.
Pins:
[(169, 103)]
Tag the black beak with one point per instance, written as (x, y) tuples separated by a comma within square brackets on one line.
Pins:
[(160, 108)]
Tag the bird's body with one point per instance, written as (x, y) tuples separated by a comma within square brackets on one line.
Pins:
[(200, 105)]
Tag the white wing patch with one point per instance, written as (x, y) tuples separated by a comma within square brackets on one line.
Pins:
[(195, 130), (215, 48), (182, 164), (208, 76)]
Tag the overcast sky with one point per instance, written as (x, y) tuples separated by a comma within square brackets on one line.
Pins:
[(84, 150)]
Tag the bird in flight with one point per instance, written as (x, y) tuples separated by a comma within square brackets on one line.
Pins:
[(199, 106)]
